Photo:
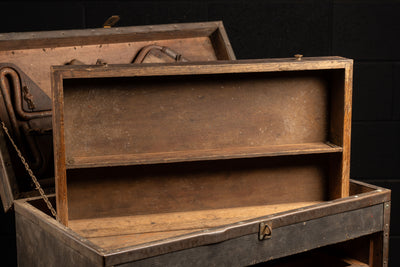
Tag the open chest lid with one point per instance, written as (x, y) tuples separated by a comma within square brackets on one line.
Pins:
[(224, 131), (25, 61)]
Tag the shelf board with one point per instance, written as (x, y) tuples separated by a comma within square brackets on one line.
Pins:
[(199, 155)]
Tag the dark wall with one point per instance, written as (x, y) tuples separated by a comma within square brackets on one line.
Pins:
[(366, 31)]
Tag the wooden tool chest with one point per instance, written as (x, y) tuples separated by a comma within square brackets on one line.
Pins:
[(207, 163), (363, 216)]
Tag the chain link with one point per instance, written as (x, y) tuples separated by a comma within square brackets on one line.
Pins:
[(30, 172)]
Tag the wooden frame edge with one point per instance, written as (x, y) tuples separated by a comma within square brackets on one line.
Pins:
[(348, 92), (228, 44), (59, 147), (59, 73), (195, 68), (30, 40), (6, 182), (220, 41)]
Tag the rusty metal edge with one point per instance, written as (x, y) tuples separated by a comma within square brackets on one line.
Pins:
[(386, 229), (215, 235)]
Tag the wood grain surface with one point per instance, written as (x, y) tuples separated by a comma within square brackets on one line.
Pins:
[(277, 110), (176, 187), (117, 232), (34, 53), (123, 118)]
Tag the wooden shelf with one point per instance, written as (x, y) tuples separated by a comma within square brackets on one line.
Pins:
[(198, 155)]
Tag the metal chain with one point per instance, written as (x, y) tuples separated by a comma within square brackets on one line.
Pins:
[(28, 169)]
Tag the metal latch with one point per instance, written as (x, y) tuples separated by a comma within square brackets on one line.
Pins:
[(111, 21), (298, 57), (265, 231)]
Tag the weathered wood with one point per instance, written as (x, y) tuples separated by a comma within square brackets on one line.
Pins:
[(233, 231), (204, 154), (185, 116), (48, 39), (348, 92), (340, 130), (48, 251), (197, 49), (198, 112), (220, 37), (357, 187), (215, 198), (208, 245), (151, 189), (117, 232), (222, 67), (31, 54), (8, 183), (285, 241), (278, 220), (59, 152), (36, 52), (42, 241)]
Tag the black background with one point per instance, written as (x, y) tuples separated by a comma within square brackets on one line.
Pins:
[(367, 31)]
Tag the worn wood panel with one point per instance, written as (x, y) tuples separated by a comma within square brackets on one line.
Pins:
[(36, 63), (42, 241), (48, 39), (35, 52), (340, 129), (283, 68), (204, 154), (336, 131), (149, 189), (8, 183), (285, 241), (207, 67), (59, 152), (122, 241), (162, 222), (356, 189), (221, 44), (220, 236), (124, 117), (35, 247), (119, 232), (343, 191)]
